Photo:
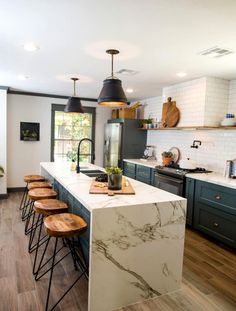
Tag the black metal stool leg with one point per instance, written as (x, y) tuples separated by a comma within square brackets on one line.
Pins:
[(38, 244), (25, 209), (28, 217), (50, 279), (23, 199), (72, 253)]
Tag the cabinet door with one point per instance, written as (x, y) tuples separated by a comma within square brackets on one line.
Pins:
[(216, 223), (143, 174), (82, 211), (219, 197), (129, 169), (189, 195)]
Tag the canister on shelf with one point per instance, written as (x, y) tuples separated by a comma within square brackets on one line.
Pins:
[(228, 168)]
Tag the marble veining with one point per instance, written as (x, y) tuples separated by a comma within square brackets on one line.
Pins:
[(130, 234), (136, 242)]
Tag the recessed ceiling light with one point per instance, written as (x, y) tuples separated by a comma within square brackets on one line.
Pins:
[(67, 77), (129, 90), (31, 47), (22, 77), (181, 74)]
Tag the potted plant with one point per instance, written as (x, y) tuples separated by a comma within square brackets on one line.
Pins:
[(1, 171), (114, 175), (167, 157), (72, 156), (144, 123)]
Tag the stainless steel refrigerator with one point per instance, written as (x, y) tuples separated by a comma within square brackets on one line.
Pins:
[(123, 140)]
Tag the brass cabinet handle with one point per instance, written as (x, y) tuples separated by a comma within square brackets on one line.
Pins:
[(218, 197), (215, 224)]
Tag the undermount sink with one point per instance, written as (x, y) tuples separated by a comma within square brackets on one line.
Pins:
[(92, 173)]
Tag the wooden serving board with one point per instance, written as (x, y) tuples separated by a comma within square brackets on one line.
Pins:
[(98, 187), (170, 114)]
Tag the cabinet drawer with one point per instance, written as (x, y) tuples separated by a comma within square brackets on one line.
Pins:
[(129, 169), (143, 173), (220, 197), (215, 223)]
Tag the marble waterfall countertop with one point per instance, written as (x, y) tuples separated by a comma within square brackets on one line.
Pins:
[(136, 241)]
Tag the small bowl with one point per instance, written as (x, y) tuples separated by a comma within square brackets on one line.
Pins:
[(228, 122)]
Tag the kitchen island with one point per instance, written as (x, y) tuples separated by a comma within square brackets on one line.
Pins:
[(134, 243)]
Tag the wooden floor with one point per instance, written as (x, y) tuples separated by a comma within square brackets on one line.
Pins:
[(209, 274)]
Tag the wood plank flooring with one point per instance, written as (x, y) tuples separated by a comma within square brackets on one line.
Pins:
[(209, 274)]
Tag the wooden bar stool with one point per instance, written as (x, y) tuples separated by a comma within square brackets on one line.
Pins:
[(27, 180), (66, 226), (30, 186), (43, 208), (35, 195)]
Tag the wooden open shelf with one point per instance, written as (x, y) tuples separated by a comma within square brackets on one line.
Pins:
[(191, 128)]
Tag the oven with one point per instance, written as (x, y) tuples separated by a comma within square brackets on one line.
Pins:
[(171, 184)]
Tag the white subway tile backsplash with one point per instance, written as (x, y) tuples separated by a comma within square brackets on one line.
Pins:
[(203, 101)]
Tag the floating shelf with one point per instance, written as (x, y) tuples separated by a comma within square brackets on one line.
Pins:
[(191, 128)]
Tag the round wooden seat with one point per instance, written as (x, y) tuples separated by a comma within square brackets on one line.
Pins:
[(50, 206), (64, 225), (42, 193), (31, 178), (39, 184)]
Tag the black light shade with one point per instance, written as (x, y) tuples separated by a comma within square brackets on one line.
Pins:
[(112, 93), (74, 105)]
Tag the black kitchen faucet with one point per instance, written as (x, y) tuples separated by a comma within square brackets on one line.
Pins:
[(92, 154), (196, 144)]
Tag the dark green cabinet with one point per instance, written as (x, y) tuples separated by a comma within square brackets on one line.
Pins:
[(143, 174), (189, 195), (139, 172), (129, 169), (215, 211)]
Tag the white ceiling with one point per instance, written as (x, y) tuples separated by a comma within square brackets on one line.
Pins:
[(157, 38)]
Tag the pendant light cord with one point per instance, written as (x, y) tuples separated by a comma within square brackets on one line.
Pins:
[(74, 88), (112, 72)]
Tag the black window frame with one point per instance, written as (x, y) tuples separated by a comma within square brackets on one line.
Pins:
[(58, 107)]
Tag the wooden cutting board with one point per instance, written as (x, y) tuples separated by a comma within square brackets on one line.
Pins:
[(98, 187), (170, 114)]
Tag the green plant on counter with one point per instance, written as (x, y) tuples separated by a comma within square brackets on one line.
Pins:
[(72, 155), (167, 154), (113, 170), (1, 171)]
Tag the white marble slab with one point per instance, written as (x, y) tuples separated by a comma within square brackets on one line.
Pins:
[(214, 178), (137, 253)]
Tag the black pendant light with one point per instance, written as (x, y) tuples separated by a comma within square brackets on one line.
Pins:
[(112, 93), (74, 104)]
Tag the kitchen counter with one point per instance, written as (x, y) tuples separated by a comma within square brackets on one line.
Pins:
[(214, 178), (136, 241), (144, 162)]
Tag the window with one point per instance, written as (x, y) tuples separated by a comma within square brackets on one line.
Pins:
[(68, 130)]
